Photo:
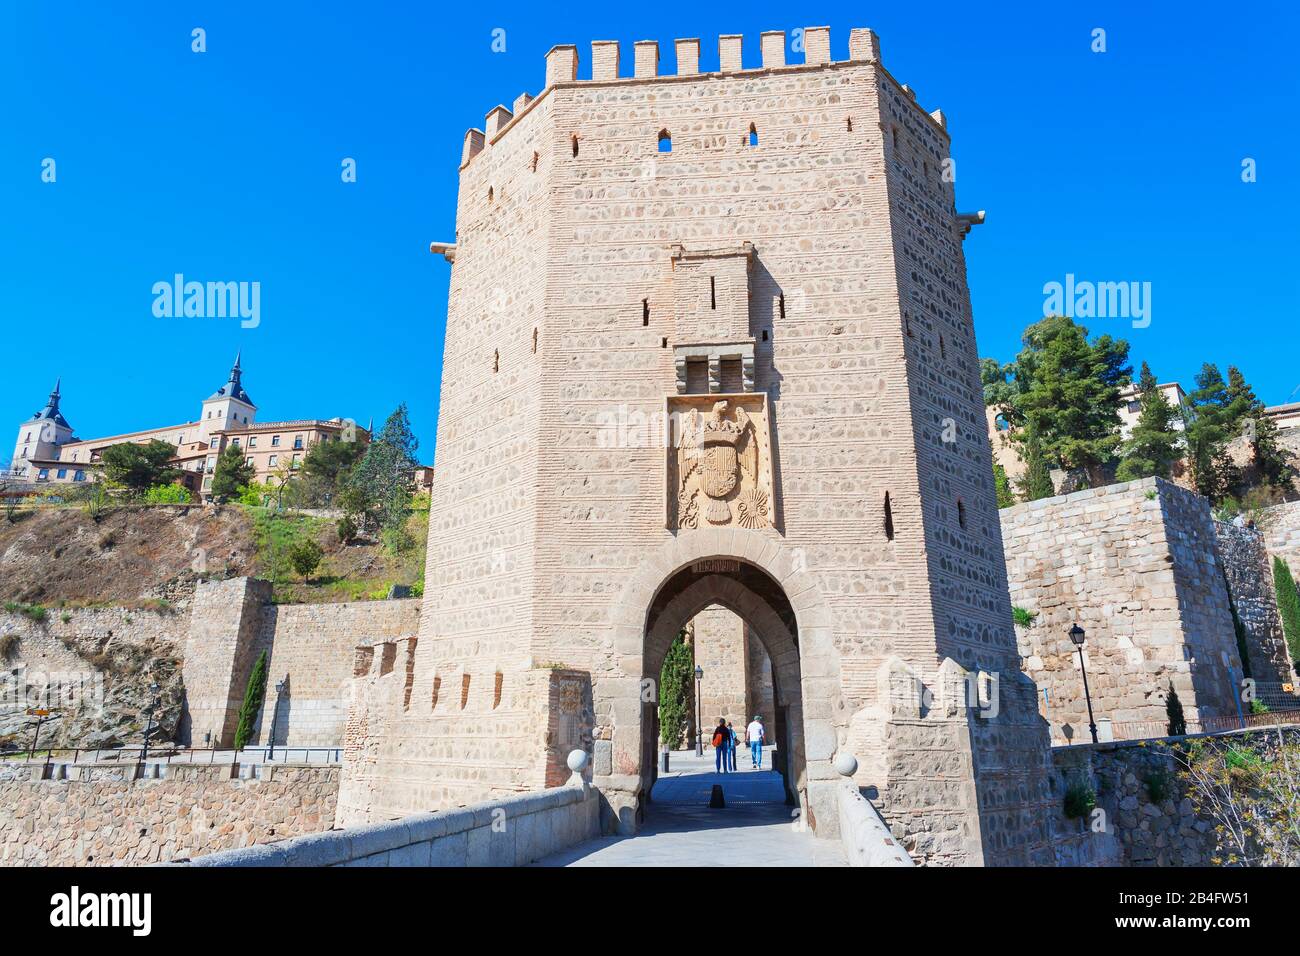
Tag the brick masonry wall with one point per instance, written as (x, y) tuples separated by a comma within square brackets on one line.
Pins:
[(1281, 527), (105, 819), (312, 647), (1134, 564), (719, 641)]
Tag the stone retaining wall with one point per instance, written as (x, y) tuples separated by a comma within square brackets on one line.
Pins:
[(1133, 829), (101, 816), (1248, 570), (513, 831)]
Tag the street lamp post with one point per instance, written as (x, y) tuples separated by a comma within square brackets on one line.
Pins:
[(699, 729), (148, 728), (275, 711), (1077, 635)]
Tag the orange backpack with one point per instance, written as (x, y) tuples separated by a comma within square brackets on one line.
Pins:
[(718, 738)]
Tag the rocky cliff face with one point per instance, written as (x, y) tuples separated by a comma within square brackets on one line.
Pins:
[(94, 667)]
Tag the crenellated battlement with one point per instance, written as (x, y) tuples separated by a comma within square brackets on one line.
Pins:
[(563, 64)]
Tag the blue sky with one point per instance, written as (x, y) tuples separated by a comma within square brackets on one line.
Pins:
[(225, 165)]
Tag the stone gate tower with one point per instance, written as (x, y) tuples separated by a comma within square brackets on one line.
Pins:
[(709, 342)]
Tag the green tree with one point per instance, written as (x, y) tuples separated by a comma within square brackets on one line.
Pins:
[(1067, 393), (380, 485), (1288, 605), (253, 695), (1154, 447), (139, 467), (999, 383), (1002, 486), (1037, 480), (1209, 428), (232, 475), (1177, 726), (327, 469), (1245, 416), (305, 555), (675, 693)]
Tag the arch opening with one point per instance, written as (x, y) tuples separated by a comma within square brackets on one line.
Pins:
[(761, 607)]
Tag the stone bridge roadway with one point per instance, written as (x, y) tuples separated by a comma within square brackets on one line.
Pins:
[(755, 829)]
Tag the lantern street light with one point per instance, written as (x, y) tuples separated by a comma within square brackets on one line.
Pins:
[(699, 729), (1077, 636), (154, 703), (275, 712)]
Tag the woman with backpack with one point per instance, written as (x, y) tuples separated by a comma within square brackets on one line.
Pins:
[(720, 737)]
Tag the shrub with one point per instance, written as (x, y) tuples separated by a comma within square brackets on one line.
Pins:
[(1257, 706), (1158, 786), (305, 556), (1080, 800), (168, 495), (1023, 616), (347, 529)]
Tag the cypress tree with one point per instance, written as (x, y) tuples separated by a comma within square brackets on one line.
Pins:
[(253, 695), (675, 692), (1288, 605)]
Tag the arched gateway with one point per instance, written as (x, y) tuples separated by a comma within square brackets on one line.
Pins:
[(757, 577), (712, 376)]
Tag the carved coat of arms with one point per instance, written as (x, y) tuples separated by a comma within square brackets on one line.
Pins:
[(718, 477)]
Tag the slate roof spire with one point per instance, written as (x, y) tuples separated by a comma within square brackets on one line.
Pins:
[(233, 388)]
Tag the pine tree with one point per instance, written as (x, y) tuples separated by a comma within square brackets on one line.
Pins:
[(1037, 480), (1288, 605), (232, 474), (1154, 446), (1208, 431), (1177, 726), (380, 486), (1067, 392), (675, 693), (253, 695), (1245, 416)]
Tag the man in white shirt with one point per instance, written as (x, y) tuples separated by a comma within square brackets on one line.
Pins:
[(755, 734)]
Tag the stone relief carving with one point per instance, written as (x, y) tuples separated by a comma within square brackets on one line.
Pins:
[(720, 468)]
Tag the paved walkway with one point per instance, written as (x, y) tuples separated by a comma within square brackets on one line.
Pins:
[(755, 829)]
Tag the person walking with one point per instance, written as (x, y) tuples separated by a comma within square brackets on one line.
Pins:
[(720, 737), (732, 741), (756, 735)]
